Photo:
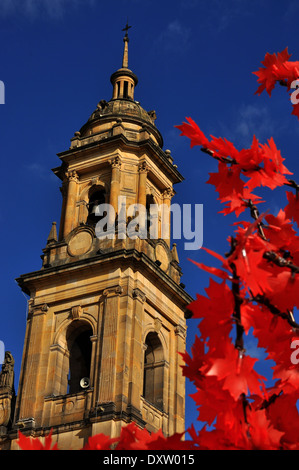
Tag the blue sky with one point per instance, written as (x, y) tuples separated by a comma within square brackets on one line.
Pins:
[(192, 57)]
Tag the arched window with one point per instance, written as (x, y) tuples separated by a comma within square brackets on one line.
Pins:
[(79, 346), (126, 85), (97, 198), (149, 202), (154, 364)]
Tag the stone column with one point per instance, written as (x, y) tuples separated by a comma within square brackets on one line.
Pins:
[(71, 202), (137, 353), (34, 372), (121, 91), (63, 191), (109, 346), (115, 186), (114, 96), (166, 217), (143, 170), (179, 402)]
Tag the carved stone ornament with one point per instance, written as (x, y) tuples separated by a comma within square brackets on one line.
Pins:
[(143, 168), (180, 331), (115, 290), (81, 242), (5, 411), (157, 324), (138, 294), (115, 163), (168, 193), (7, 372), (38, 309), (72, 176), (76, 312)]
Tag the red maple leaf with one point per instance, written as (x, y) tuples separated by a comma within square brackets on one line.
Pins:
[(283, 413), (216, 310), (268, 75), (29, 443), (292, 209), (295, 111), (174, 442), (237, 373), (263, 435), (193, 363), (278, 69), (280, 232), (99, 442), (212, 400), (232, 189), (133, 438), (271, 172), (194, 133)]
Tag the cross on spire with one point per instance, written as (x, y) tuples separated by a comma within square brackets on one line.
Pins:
[(126, 28), (126, 40)]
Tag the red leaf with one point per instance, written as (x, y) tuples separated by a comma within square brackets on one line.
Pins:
[(99, 442), (292, 209), (216, 271), (238, 374), (216, 310), (263, 435), (29, 443), (268, 75), (194, 133)]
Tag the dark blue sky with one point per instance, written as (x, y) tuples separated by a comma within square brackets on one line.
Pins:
[(192, 57)]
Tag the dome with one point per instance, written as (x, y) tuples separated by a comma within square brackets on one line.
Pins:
[(122, 107)]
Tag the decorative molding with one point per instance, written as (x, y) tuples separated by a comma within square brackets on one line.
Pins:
[(72, 176), (157, 324), (58, 347), (143, 168), (115, 290), (76, 312), (180, 331), (138, 294), (115, 163), (38, 309), (26, 423), (168, 193)]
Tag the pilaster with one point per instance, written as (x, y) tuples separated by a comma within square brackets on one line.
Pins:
[(70, 211)]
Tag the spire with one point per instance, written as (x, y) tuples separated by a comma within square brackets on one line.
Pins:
[(124, 80), (126, 47), (52, 238)]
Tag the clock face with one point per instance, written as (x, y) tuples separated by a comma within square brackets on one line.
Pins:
[(162, 256), (80, 243)]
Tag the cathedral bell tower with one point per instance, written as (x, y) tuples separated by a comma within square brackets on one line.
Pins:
[(106, 317)]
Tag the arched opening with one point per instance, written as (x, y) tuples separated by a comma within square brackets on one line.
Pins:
[(151, 216), (79, 347), (126, 88), (154, 364), (96, 199)]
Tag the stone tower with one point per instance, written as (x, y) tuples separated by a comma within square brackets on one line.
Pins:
[(106, 315)]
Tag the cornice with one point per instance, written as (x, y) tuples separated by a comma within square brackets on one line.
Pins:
[(70, 154), (131, 257)]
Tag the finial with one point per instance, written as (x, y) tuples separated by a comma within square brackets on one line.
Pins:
[(52, 238), (126, 28), (126, 52)]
